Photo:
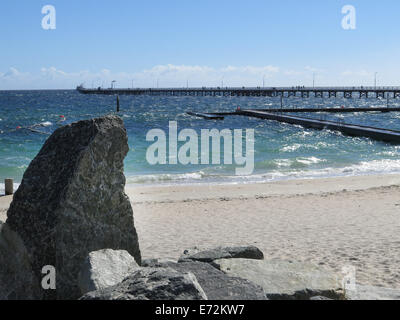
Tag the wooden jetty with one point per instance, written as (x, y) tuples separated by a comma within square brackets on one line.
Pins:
[(207, 116), (380, 134), (332, 110), (314, 110), (374, 133), (304, 92)]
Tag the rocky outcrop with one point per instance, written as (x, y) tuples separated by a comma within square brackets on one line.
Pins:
[(71, 201), (320, 298), (105, 268), (372, 293), (216, 284), (152, 284), (155, 262), (246, 252), (284, 280), (17, 280), (211, 283)]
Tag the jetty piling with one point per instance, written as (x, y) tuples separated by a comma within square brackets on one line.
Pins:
[(9, 187)]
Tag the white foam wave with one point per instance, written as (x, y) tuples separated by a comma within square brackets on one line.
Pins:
[(46, 124), (154, 178), (297, 146), (363, 168), (291, 148), (310, 160)]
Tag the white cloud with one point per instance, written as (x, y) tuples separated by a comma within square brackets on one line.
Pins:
[(177, 75), (166, 75), (52, 73), (251, 69), (13, 73), (14, 79), (170, 75), (169, 68), (312, 69)]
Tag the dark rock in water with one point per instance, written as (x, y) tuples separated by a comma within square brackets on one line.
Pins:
[(285, 280), (17, 281), (247, 252), (105, 268), (216, 284), (152, 284), (71, 201)]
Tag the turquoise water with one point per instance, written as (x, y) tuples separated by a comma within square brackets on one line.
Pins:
[(281, 151)]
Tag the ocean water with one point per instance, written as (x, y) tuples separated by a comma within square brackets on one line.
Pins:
[(282, 151)]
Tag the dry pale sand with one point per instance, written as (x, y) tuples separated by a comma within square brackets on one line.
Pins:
[(4, 204), (334, 222)]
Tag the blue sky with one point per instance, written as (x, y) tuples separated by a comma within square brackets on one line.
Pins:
[(204, 43)]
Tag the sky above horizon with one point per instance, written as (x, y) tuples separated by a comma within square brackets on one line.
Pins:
[(176, 43)]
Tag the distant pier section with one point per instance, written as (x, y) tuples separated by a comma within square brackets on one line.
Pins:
[(287, 92), (380, 134)]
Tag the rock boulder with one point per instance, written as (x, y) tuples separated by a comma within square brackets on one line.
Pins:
[(17, 280), (247, 252), (216, 284), (105, 268), (284, 280), (71, 201), (155, 262), (152, 284)]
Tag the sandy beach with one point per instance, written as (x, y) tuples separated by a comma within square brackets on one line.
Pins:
[(334, 222)]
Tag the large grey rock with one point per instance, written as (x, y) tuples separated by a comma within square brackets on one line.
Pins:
[(105, 268), (152, 284), (71, 201), (320, 298), (155, 262), (284, 280), (17, 280), (247, 252), (372, 293), (216, 284)]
